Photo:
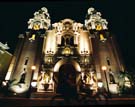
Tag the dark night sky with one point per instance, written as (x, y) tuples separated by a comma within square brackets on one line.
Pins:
[(119, 13)]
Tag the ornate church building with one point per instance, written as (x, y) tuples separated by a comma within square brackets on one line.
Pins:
[(48, 56)]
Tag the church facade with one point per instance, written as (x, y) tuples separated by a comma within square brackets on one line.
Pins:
[(47, 55)]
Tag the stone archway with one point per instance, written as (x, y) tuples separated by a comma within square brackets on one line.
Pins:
[(75, 65), (66, 77), (63, 61)]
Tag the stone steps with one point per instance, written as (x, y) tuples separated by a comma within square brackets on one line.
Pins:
[(44, 95)]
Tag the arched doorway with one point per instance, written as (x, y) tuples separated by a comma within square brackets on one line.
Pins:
[(66, 77)]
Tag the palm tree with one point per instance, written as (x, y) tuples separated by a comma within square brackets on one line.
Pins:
[(126, 82)]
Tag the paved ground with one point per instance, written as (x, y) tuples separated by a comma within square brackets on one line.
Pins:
[(31, 102)]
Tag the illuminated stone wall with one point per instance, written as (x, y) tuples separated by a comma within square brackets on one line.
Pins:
[(88, 47)]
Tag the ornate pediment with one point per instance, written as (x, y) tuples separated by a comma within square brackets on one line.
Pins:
[(67, 25)]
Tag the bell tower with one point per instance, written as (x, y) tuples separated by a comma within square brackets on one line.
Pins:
[(28, 54), (104, 50)]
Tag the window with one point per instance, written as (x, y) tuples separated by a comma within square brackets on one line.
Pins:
[(72, 41), (67, 41), (62, 41), (108, 61), (26, 61)]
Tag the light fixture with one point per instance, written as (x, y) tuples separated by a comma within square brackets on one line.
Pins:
[(104, 68), (82, 75), (34, 84), (100, 84), (33, 67), (84, 51), (4, 83), (67, 51), (50, 51)]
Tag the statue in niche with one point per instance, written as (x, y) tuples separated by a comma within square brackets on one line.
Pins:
[(42, 80), (88, 82), (23, 75), (83, 82), (51, 83), (111, 76), (45, 82)]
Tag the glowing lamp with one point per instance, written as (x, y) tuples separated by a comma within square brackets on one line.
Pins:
[(100, 84), (104, 68), (33, 67), (34, 84), (4, 83)]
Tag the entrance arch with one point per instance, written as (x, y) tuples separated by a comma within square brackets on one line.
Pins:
[(63, 61), (67, 79)]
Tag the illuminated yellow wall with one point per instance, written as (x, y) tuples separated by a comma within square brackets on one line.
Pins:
[(84, 42), (50, 42)]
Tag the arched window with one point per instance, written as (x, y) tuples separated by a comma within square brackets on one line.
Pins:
[(67, 41), (108, 61), (26, 60), (72, 41), (62, 41)]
